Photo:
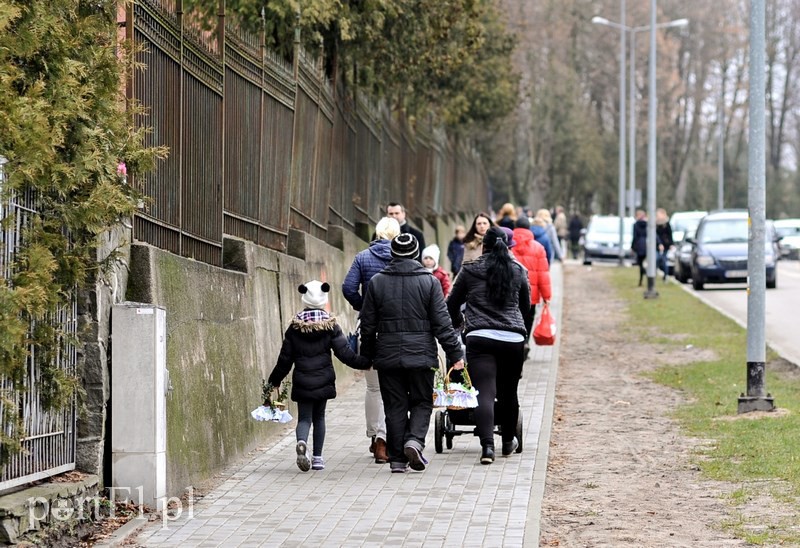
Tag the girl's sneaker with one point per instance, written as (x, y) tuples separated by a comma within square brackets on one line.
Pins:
[(398, 467), (303, 462), (317, 463)]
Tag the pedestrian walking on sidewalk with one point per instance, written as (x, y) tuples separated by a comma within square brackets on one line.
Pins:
[(507, 216), (455, 250), (562, 229), (539, 231), (365, 265), (402, 318), (496, 291), (552, 235), (430, 260), (639, 243), (307, 345), (575, 228), (533, 257), (473, 241), (398, 212), (665, 241)]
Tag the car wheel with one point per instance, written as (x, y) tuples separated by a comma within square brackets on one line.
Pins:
[(773, 283), (697, 283), (587, 260)]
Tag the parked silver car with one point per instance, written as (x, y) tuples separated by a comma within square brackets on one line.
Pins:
[(789, 231), (683, 256), (683, 223), (600, 239)]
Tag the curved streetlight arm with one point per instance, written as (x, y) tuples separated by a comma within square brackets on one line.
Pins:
[(669, 24), (603, 21), (597, 20)]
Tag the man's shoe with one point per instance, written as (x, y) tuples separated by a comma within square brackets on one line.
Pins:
[(415, 458), (317, 463), (381, 457), (303, 462), (372, 445), (487, 454), (509, 447)]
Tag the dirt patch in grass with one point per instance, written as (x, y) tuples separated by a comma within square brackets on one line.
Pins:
[(756, 415), (620, 470)]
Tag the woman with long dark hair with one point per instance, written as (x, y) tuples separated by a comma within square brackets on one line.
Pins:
[(473, 241), (496, 291)]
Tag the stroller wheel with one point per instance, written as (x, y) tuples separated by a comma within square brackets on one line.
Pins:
[(519, 432), (449, 430), (438, 432)]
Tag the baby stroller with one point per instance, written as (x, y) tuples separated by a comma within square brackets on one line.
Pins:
[(447, 421)]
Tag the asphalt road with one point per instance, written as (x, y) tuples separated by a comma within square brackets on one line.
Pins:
[(783, 304)]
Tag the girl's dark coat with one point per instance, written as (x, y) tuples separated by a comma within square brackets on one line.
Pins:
[(307, 346)]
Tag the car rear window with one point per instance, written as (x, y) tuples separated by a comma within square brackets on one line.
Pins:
[(724, 231), (608, 225), (685, 223), (788, 230)]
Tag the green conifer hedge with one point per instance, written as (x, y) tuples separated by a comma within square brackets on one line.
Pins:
[(66, 132)]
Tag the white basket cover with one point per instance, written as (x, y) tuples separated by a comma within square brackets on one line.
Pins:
[(264, 413)]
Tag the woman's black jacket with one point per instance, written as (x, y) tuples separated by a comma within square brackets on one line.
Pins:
[(481, 313)]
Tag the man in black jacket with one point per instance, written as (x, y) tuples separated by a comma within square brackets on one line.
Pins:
[(402, 317), (398, 212)]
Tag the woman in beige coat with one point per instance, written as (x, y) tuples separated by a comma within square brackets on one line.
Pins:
[(473, 241)]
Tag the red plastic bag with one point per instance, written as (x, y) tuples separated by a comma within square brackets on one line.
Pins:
[(545, 332)]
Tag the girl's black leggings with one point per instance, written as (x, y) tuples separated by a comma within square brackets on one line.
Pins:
[(309, 412)]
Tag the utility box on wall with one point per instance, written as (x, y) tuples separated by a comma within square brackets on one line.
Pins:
[(139, 385)]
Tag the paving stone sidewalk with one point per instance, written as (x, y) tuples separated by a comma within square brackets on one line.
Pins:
[(456, 501)]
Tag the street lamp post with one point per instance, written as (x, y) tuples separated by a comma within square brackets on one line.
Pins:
[(632, 121), (621, 188), (623, 28), (757, 397), (651, 292)]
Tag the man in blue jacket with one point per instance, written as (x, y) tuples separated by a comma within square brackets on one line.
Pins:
[(366, 264)]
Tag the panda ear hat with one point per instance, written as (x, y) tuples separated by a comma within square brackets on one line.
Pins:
[(315, 293)]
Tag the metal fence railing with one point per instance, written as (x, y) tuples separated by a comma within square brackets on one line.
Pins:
[(49, 437), (260, 145)]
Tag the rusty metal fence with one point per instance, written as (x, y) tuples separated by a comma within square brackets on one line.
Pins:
[(260, 145), (48, 445)]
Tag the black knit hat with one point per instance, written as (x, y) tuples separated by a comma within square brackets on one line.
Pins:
[(405, 246), (492, 235)]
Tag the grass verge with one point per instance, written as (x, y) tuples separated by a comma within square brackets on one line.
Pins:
[(760, 453)]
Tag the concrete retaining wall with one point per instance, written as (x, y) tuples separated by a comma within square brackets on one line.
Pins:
[(224, 331)]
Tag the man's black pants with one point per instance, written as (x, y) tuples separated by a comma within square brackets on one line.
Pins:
[(408, 404)]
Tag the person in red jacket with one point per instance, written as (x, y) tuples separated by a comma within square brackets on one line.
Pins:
[(430, 260), (533, 256)]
